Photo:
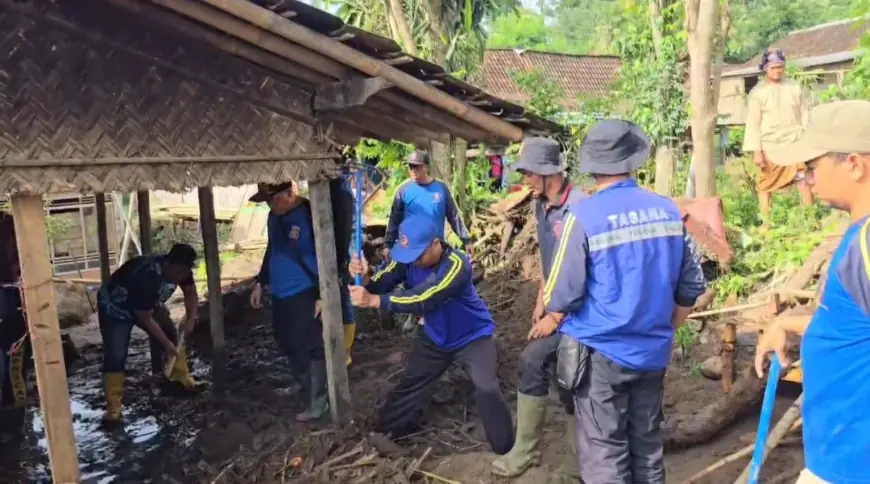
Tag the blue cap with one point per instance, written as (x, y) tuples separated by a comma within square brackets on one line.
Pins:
[(416, 234)]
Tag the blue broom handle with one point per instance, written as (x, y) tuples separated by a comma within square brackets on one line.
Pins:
[(764, 420), (358, 202)]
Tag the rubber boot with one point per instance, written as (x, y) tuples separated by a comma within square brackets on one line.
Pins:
[(114, 393), (180, 373), (16, 378), (530, 418), (318, 398), (569, 469), (349, 334)]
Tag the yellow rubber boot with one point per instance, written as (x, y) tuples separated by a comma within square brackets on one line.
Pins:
[(349, 334), (114, 392), (181, 373), (16, 378)]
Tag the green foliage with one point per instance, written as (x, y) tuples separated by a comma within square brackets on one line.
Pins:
[(543, 93), (856, 83), (685, 338), (57, 227), (761, 256)]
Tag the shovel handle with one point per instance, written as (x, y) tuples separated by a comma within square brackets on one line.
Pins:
[(764, 420), (167, 369)]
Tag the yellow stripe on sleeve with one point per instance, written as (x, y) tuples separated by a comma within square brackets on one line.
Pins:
[(570, 219), (448, 279), (865, 252), (386, 270)]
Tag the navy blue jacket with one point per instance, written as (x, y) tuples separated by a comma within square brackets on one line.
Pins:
[(623, 262), (453, 313)]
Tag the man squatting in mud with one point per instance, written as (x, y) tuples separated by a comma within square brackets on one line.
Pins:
[(458, 328), (625, 275), (135, 296), (289, 271), (543, 172), (835, 343)]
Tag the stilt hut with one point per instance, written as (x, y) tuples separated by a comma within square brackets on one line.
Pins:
[(98, 96)]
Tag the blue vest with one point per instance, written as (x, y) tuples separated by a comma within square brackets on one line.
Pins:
[(635, 250), (835, 358)]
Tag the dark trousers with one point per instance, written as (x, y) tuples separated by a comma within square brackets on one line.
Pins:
[(426, 363), (537, 366), (116, 340), (298, 333), (619, 416), (13, 368)]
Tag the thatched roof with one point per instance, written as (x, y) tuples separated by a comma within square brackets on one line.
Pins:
[(133, 95)]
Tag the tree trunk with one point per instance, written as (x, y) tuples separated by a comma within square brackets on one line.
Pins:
[(702, 23), (437, 33), (396, 14), (441, 166), (664, 159), (460, 166)]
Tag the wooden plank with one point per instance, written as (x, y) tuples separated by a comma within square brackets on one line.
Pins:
[(330, 301), (143, 199), (103, 237), (36, 276), (208, 226)]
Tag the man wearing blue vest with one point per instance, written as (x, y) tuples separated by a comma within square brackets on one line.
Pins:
[(540, 163), (624, 277), (835, 343), (424, 196), (289, 271), (458, 328)]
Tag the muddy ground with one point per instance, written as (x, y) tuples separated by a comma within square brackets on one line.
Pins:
[(243, 429)]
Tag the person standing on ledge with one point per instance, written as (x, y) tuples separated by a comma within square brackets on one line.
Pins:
[(835, 343), (776, 113)]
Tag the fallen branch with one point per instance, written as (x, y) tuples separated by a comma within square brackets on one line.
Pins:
[(436, 477), (740, 454), (733, 309)]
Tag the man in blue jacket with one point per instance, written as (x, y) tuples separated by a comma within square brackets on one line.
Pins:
[(289, 271), (624, 277), (458, 328), (835, 343)]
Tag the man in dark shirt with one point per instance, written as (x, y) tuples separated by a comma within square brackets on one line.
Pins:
[(135, 296), (544, 173), (458, 328)]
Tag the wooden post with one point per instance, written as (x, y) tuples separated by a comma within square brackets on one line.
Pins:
[(330, 301), (729, 343), (103, 237), (208, 226), (28, 212), (143, 200)]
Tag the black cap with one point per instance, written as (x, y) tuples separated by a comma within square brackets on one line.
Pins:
[(182, 255), (418, 157), (265, 191)]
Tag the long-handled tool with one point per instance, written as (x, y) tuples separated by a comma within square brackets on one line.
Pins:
[(358, 203), (764, 420), (167, 370)]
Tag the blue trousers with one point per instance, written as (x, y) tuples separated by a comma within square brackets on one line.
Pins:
[(116, 340)]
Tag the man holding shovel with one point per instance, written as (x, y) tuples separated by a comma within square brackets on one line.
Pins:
[(543, 172), (835, 343), (135, 296)]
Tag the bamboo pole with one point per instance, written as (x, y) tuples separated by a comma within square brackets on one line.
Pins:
[(272, 22), (160, 160)]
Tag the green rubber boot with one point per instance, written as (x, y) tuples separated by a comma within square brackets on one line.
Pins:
[(318, 403), (530, 418), (569, 469)]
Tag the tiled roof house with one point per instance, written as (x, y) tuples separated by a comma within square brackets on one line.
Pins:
[(579, 76)]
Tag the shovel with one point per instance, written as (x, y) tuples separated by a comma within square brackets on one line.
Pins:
[(170, 363)]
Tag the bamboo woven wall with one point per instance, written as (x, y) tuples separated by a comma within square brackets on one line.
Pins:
[(70, 89)]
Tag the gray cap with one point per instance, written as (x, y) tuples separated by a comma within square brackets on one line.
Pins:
[(613, 147), (540, 156)]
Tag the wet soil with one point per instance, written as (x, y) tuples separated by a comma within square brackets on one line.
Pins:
[(243, 429)]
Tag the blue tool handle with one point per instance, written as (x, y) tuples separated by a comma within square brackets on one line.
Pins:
[(358, 202), (764, 420)]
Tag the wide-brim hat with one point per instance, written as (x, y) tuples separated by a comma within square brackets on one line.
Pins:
[(540, 156), (613, 147), (265, 191)]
